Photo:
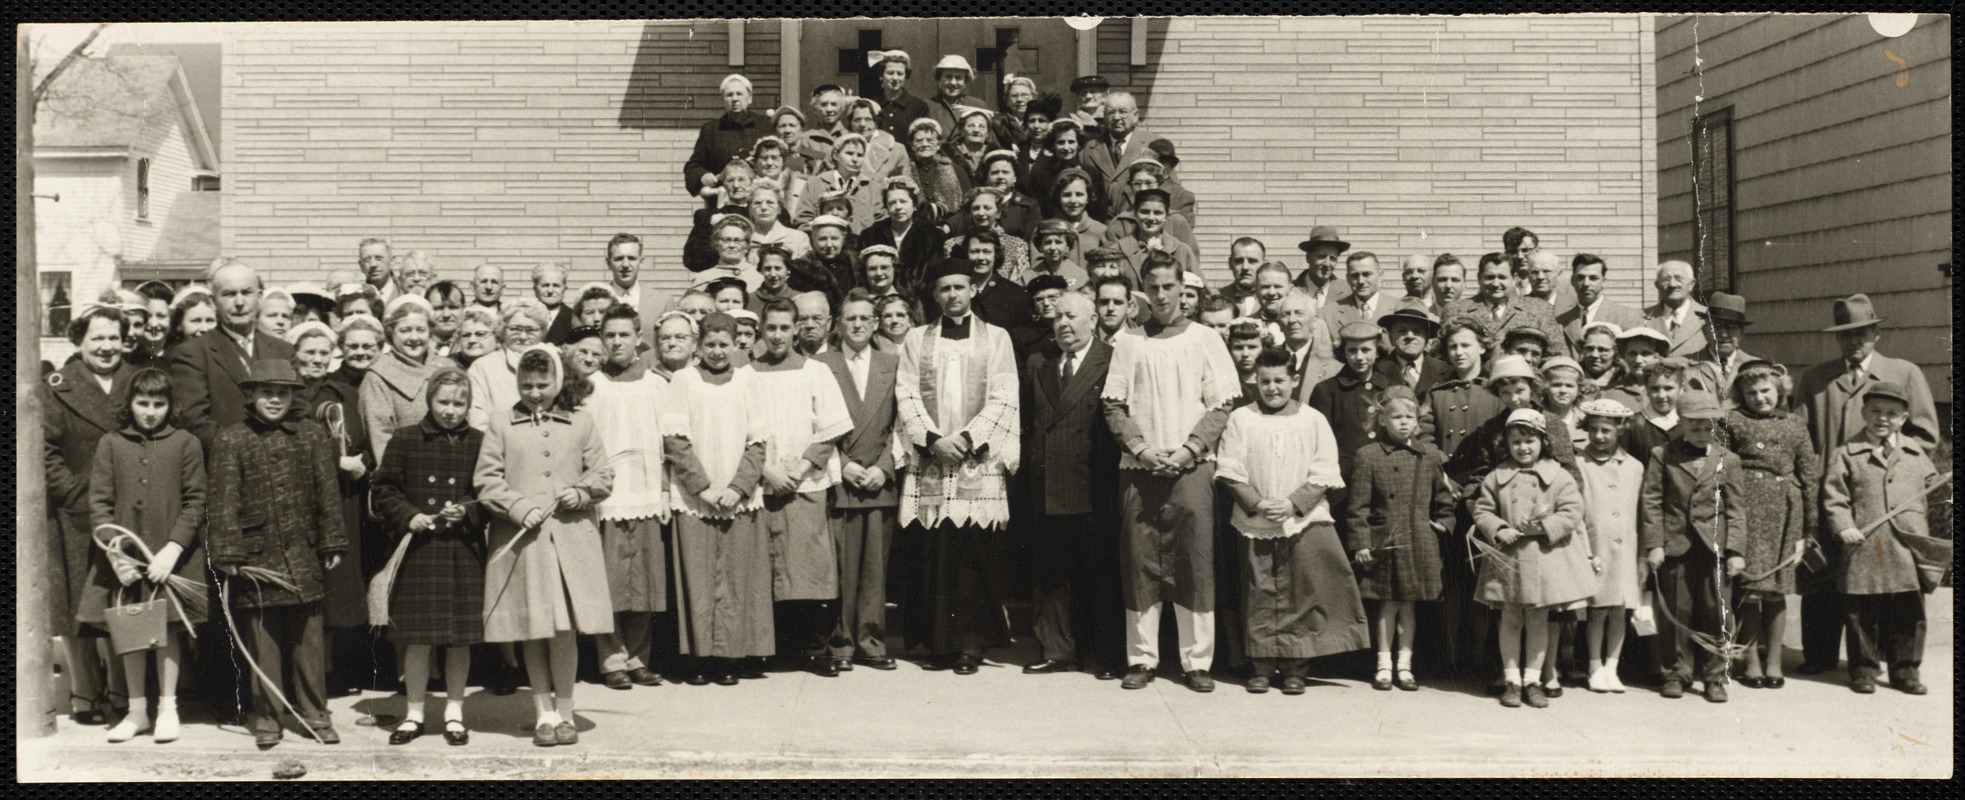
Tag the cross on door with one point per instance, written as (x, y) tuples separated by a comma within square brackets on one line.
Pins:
[(1008, 56), (854, 62)]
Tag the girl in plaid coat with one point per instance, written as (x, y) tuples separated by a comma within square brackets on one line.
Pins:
[(423, 491), (1398, 506)]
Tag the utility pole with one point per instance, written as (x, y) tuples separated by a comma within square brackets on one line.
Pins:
[(34, 706)]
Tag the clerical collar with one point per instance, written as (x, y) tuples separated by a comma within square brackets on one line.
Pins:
[(954, 328)]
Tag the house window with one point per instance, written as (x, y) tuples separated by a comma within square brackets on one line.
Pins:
[(1712, 200), (204, 183), (56, 303), (143, 188)]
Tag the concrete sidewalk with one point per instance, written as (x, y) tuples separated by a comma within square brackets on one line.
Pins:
[(1000, 723)]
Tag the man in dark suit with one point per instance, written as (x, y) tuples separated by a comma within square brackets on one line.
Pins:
[(1410, 327), (1586, 276), (549, 285), (1072, 467), (206, 369), (1125, 142), (1831, 393), (864, 500)]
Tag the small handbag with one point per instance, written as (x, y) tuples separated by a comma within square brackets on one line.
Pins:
[(139, 626), (1643, 621)]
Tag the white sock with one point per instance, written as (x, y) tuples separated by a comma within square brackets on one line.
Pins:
[(1405, 659), (542, 702), (563, 708), (1384, 661), (166, 705), (453, 711), (414, 712)]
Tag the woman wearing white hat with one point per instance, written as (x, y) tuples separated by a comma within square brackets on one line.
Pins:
[(952, 77), (898, 109), (728, 136)]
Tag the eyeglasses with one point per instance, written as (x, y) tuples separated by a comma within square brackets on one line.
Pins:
[(521, 329)]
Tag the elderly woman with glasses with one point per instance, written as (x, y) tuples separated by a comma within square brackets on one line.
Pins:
[(494, 377), (726, 137), (478, 332), (942, 184)]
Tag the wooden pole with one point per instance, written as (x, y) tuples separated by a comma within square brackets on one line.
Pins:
[(34, 704)]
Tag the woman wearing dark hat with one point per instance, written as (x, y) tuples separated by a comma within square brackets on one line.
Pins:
[(1054, 154), (1142, 175), (1037, 120), (941, 184)]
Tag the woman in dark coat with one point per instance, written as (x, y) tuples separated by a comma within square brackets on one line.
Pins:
[(82, 402), (1450, 416), (726, 137), (1061, 146), (942, 182), (347, 605), (910, 230), (423, 490)]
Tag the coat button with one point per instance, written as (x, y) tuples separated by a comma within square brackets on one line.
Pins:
[(430, 502), (453, 481), (433, 479), (144, 481)]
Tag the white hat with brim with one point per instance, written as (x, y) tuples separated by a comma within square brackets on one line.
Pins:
[(955, 62)]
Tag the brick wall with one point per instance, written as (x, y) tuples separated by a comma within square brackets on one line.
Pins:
[(513, 142), (1411, 135), (510, 142)]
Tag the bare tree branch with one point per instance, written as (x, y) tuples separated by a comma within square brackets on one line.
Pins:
[(42, 90)]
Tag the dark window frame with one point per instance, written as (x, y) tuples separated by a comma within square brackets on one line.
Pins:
[(1713, 131), (143, 190)]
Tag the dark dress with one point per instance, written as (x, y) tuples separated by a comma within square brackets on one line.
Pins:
[(1781, 483), (347, 592), (438, 596), (1396, 492)]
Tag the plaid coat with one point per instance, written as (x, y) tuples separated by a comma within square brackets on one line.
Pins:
[(438, 598), (1395, 492), (276, 504)]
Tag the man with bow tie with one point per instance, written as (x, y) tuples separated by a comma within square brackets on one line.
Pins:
[(1832, 394)]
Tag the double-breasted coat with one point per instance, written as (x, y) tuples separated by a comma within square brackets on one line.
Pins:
[(1395, 492), (1833, 398), (76, 414), (1692, 496), (1549, 564), (555, 578), (1865, 479), (1449, 415), (1070, 457), (153, 484), (275, 503), (438, 597), (1523, 312)]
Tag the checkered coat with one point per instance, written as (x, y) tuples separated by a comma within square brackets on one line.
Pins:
[(438, 598), (275, 503)]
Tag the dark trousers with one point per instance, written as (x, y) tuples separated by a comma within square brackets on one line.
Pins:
[(1823, 617), (1885, 630), (865, 541), (805, 626), (290, 647), (1691, 594), (1286, 667), (1075, 577)]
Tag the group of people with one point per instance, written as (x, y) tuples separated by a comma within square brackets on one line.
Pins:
[(1300, 467)]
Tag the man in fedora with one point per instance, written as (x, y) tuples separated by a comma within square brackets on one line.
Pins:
[(1682, 318), (1714, 368), (1587, 273), (1832, 394), (952, 77), (1320, 253), (1410, 328)]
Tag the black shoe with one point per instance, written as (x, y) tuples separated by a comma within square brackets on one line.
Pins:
[(1406, 682), (697, 679), (1673, 689), (265, 739), (1382, 680), (1294, 685), (726, 679), (618, 681), (1863, 685), (1715, 692), (1137, 677), (883, 663), (822, 666), (1047, 666), (1775, 682), (751, 669), (1257, 685), (967, 664), (543, 736), (92, 717), (1813, 669), (456, 736), (842, 664), (327, 734), (1535, 695), (1199, 680), (1552, 691), (409, 732), (1106, 674), (1753, 682), (1908, 684), (643, 676)]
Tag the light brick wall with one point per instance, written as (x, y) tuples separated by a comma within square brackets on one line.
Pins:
[(513, 142), (1411, 135), (508, 142)]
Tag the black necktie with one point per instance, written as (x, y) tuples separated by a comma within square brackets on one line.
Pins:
[(1070, 360)]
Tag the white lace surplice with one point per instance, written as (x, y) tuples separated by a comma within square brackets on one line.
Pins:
[(800, 407), (973, 390), (1276, 454), (1168, 384), (627, 415), (719, 421)]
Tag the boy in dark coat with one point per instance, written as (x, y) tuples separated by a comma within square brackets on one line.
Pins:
[(1692, 502), (276, 506)]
